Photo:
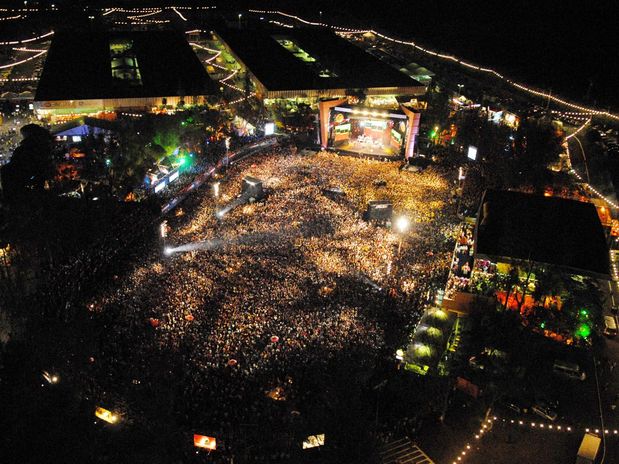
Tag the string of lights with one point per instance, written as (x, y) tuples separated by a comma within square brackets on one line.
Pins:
[(201, 46), (214, 57), (10, 65), (10, 18), (487, 426), (24, 49), (613, 262), (17, 10), (143, 22), (179, 13), (210, 60), (594, 190), (277, 23), (33, 39), (570, 113), (230, 76), (577, 131), (527, 89), (238, 89), (145, 14), (19, 79), (556, 427), (466, 449)]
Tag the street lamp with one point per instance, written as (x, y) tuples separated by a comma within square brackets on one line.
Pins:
[(460, 89), (584, 157), (163, 234), (240, 15), (460, 190), (401, 224)]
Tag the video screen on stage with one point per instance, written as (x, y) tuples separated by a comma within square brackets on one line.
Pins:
[(367, 131)]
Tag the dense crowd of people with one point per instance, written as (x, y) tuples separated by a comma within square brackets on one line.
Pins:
[(243, 325)]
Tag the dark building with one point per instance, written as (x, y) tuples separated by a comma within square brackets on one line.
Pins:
[(311, 63), (549, 230), (93, 71)]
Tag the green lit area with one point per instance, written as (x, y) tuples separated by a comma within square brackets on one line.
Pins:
[(417, 368), (289, 44), (124, 62), (434, 332), (294, 48), (440, 314), (422, 351), (583, 330)]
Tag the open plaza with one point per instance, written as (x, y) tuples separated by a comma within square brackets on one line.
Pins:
[(255, 237)]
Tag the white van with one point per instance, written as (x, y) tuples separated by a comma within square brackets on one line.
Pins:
[(569, 369), (610, 326)]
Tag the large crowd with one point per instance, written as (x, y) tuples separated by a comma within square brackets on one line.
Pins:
[(243, 330)]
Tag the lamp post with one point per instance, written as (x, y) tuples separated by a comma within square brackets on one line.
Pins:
[(460, 191), (401, 224), (584, 157), (240, 15), (226, 157), (163, 233), (460, 89)]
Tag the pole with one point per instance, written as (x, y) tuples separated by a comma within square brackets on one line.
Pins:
[(584, 157), (460, 191), (597, 385), (377, 401)]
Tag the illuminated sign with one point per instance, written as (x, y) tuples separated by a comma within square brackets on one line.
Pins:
[(105, 415), (174, 176), (202, 441), (472, 153), (313, 441), (160, 186), (269, 128)]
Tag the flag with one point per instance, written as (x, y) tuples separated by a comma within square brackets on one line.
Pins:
[(202, 441)]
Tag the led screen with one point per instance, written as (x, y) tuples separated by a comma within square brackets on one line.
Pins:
[(367, 131)]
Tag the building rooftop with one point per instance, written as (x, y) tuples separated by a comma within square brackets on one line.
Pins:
[(549, 230), (95, 64), (311, 59)]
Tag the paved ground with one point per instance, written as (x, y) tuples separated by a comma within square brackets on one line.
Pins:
[(515, 444)]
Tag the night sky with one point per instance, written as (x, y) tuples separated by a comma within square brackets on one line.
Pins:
[(564, 46)]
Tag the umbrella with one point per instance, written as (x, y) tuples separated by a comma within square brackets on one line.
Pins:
[(274, 339), (232, 362), (189, 317)]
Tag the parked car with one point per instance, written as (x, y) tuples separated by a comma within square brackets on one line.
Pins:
[(610, 326), (568, 369), (513, 404), (545, 411)]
